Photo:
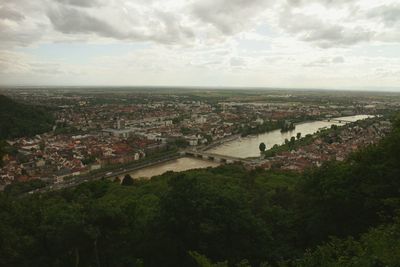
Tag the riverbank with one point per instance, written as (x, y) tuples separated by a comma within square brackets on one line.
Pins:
[(114, 171), (335, 143), (248, 147), (176, 165), (219, 142)]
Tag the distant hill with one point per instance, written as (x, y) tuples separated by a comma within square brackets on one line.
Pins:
[(17, 119)]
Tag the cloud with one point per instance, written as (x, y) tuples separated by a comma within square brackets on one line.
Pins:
[(193, 22), (237, 62), (169, 29), (12, 62), (322, 33), (330, 3), (228, 16), (10, 14), (81, 3), (21, 23), (388, 14), (325, 61), (73, 21), (338, 60), (158, 26), (19, 32), (327, 36), (10, 37)]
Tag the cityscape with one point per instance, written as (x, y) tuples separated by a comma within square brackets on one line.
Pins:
[(199, 133), (117, 130)]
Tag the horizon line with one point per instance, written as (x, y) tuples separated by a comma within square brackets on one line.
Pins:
[(205, 87)]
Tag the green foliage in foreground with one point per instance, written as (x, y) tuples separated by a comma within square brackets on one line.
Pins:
[(18, 119), (342, 214), (19, 188), (378, 247)]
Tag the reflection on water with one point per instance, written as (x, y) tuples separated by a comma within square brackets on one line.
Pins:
[(248, 146), (178, 165)]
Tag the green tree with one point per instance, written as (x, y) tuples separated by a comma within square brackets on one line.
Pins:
[(2, 152), (298, 136), (262, 147), (203, 261), (42, 145), (180, 142), (128, 180), (378, 247), (292, 140), (208, 138), (17, 119), (89, 159)]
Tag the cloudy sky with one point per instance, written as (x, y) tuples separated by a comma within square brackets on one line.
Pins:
[(339, 44)]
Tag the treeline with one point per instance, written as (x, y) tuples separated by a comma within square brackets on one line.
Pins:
[(17, 120), (341, 214), (271, 125), (328, 135), (261, 128)]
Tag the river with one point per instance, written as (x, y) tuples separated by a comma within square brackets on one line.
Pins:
[(242, 147), (248, 146), (176, 165)]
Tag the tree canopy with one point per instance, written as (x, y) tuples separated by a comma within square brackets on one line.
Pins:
[(262, 147), (18, 119)]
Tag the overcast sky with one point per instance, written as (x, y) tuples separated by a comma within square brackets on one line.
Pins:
[(267, 43)]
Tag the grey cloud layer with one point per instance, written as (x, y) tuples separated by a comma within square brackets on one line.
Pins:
[(81, 3), (323, 2), (190, 22), (327, 36), (389, 15), (323, 33), (11, 14), (158, 26), (228, 16), (324, 62), (70, 21)]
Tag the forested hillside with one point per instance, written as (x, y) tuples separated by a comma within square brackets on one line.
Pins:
[(341, 214), (17, 120)]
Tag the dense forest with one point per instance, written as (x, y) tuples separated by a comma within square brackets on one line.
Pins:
[(341, 214), (17, 119)]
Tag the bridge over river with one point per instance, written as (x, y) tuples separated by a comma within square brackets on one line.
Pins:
[(212, 156), (338, 120)]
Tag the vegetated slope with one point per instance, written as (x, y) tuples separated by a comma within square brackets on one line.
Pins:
[(229, 215), (17, 119)]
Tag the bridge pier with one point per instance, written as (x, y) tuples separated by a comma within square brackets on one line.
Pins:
[(216, 159)]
